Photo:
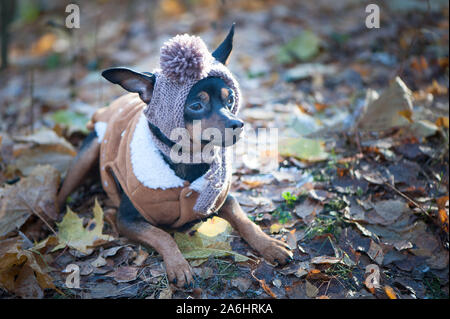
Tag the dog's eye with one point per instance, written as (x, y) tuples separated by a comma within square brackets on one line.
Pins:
[(230, 100), (196, 106)]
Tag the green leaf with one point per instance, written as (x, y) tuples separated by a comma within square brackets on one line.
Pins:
[(303, 148), (74, 120), (303, 47)]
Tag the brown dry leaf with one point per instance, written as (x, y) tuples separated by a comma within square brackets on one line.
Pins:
[(311, 290), (383, 112), (22, 272), (124, 274), (33, 194), (307, 210), (325, 260), (242, 284), (43, 147), (442, 202), (43, 45), (390, 292), (436, 89), (320, 106), (391, 210), (291, 239), (375, 252), (419, 64)]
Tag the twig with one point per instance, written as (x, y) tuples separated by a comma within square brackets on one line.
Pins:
[(37, 214), (407, 198)]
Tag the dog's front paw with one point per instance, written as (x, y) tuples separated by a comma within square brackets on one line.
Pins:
[(178, 270), (273, 250)]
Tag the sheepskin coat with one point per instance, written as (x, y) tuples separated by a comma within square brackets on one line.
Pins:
[(128, 152)]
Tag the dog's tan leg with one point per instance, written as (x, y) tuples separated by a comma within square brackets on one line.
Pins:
[(86, 158), (273, 250), (133, 226)]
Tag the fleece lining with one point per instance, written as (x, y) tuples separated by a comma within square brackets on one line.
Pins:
[(149, 166)]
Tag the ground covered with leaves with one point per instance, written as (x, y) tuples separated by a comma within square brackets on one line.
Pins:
[(358, 187)]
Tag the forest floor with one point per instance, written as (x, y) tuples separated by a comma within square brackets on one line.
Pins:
[(359, 188)]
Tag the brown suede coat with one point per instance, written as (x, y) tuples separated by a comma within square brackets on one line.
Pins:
[(171, 207)]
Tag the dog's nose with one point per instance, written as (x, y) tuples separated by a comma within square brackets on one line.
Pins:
[(234, 124)]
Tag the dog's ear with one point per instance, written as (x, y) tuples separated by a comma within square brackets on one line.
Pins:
[(142, 83), (223, 51)]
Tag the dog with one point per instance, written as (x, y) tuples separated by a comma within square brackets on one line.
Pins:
[(151, 190)]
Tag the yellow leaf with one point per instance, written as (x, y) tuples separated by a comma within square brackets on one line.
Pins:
[(390, 292), (214, 226), (43, 45), (275, 228), (210, 238), (407, 114), (72, 233), (442, 122)]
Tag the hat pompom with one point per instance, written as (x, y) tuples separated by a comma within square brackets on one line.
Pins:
[(185, 57)]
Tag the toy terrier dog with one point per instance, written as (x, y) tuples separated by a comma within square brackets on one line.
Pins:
[(132, 142)]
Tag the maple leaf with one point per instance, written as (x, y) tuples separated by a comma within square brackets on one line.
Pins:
[(72, 233)]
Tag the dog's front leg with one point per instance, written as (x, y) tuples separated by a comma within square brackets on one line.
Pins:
[(273, 250), (133, 226)]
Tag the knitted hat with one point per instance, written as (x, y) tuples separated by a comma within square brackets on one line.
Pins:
[(184, 61)]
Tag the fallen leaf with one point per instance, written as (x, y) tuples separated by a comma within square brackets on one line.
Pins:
[(99, 262), (275, 228), (442, 202), (214, 226), (72, 233), (242, 284), (387, 110), (22, 272), (303, 47), (325, 260), (124, 274), (311, 290), (43, 45), (74, 121), (33, 194), (390, 292), (376, 253), (291, 239), (44, 147), (442, 122), (201, 245), (391, 210), (303, 149)]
